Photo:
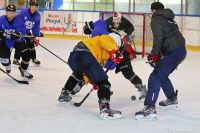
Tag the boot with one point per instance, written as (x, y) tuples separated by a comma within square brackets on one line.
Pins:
[(8, 68), (106, 112), (147, 113), (35, 61), (25, 73), (65, 96), (172, 101)]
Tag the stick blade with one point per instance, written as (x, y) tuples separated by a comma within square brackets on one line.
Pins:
[(23, 82), (77, 104)]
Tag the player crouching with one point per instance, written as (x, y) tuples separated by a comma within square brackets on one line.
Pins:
[(88, 58)]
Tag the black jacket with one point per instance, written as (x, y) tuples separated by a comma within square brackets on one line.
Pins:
[(125, 25), (166, 34)]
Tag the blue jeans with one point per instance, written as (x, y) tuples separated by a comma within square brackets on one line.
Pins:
[(159, 77), (83, 62)]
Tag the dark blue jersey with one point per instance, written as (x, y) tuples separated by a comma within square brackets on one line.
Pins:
[(32, 21), (10, 27)]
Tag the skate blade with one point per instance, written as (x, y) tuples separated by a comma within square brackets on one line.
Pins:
[(169, 107), (27, 79), (150, 117), (106, 116)]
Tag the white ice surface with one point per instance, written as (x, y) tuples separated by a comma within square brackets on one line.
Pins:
[(34, 108)]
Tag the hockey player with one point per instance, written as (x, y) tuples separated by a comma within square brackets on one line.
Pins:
[(12, 29), (31, 18), (98, 28), (87, 58), (167, 53), (119, 24)]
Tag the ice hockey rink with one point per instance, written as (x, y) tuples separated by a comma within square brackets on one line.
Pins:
[(34, 108)]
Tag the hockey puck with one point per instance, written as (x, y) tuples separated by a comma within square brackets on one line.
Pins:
[(133, 98)]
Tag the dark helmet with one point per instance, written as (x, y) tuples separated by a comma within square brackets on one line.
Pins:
[(33, 3), (11, 8)]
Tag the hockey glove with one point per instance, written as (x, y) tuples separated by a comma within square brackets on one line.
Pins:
[(15, 35), (116, 56), (153, 59), (36, 41), (87, 29)]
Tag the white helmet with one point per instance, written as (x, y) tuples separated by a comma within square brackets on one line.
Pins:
[(117, 39), (117, 19)]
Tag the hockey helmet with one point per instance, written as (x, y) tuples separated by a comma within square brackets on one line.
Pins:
[(117, 19), (33, 3), (117, 39), (11, 8)]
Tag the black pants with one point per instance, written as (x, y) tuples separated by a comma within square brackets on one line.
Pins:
[(5, 53), (127, 70), (31, 48)]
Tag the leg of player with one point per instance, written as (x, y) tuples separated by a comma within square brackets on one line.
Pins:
[(5, 56), (32, 49), (104, 98), (17, 56), (126, 68), (25, 60), (72, 86)]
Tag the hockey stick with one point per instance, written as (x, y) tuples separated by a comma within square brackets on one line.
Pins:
[(53, 53), (91, 90), (18, 81), (31, 36)]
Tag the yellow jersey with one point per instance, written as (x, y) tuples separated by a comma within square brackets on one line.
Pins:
[(100, 46)]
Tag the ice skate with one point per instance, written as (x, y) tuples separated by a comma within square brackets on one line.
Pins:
[(36, 62), (16, 62), (65, 96), (107, 113), (25, 74), (147, 113), (169, 103), (8, 68)]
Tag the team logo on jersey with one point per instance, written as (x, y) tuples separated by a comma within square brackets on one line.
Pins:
[(29, 24), (8, 32)]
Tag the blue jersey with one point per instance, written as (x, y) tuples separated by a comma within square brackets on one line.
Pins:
[(32, 21), (10, 27)]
